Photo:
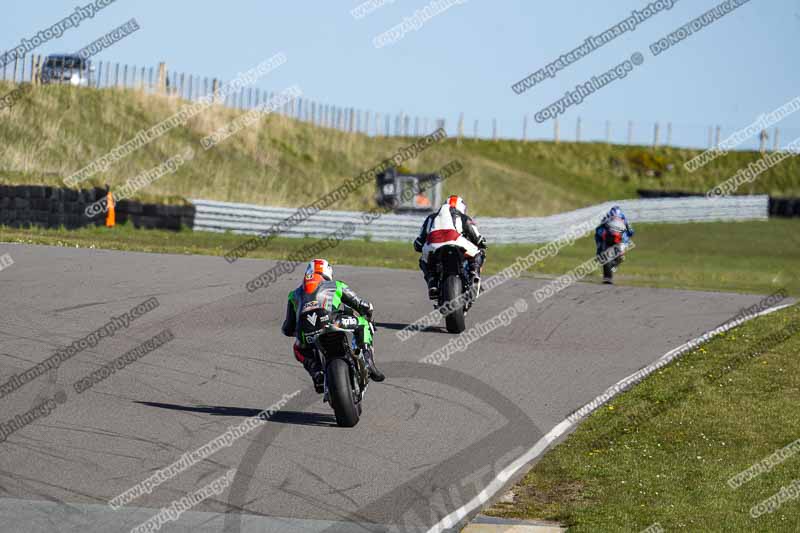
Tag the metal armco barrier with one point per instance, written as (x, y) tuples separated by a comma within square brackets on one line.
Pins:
[(254, 219)]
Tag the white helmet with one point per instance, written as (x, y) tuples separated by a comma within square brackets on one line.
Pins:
[(458, 203), (321, 267)]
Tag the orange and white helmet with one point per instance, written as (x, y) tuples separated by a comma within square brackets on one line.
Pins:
[(458, 203), (321, 267)]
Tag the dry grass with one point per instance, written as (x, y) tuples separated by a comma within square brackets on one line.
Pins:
[(56, 130)]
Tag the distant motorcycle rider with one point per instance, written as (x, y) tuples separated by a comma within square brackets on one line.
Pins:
[(450, 225), (600, 232), (320, 287)]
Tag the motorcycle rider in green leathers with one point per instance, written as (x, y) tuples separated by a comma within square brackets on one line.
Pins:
[(320, 288)]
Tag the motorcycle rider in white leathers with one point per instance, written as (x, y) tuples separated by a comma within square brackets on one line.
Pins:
[(450, 225)]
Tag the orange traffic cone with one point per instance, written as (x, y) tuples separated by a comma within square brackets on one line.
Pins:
[(110, 216)]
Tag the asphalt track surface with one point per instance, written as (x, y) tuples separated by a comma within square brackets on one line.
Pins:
[(430, 437)]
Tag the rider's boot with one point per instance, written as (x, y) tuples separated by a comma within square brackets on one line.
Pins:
[(430, 280), (433, 288), (475, 274), (314, 369), (374, 373)]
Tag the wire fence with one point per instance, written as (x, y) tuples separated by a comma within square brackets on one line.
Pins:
[(39, 70)]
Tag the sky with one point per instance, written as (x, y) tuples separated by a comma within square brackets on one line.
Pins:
[(466, 58)]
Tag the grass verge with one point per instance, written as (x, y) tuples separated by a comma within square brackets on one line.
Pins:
[(56, 130), (757, 257), (664, 451)]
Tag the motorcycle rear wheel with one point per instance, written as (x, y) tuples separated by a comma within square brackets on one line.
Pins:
[(452, 292), (341, 394)]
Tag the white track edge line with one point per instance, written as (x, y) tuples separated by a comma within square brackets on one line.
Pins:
[(497, 483)]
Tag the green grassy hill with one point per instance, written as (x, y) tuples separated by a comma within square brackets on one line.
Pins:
[(55, 130)]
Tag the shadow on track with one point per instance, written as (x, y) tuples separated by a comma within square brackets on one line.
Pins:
[(282, 417), (399, 326)]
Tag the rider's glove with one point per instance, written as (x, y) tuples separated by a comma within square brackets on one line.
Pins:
[(417, 245), (368, 312), (482, 243)]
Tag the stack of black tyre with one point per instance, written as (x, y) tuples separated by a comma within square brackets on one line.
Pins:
[(53, 207), (784, 207)]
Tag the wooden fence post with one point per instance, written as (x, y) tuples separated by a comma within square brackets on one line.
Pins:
[(460, 127), (33, 70), (162, 78), (578, 130), (655, 135), (669, 133), (555, 131), (214, 90), (716, 136), (776, 142), (630, 132), (763, 141), (525, 128)]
